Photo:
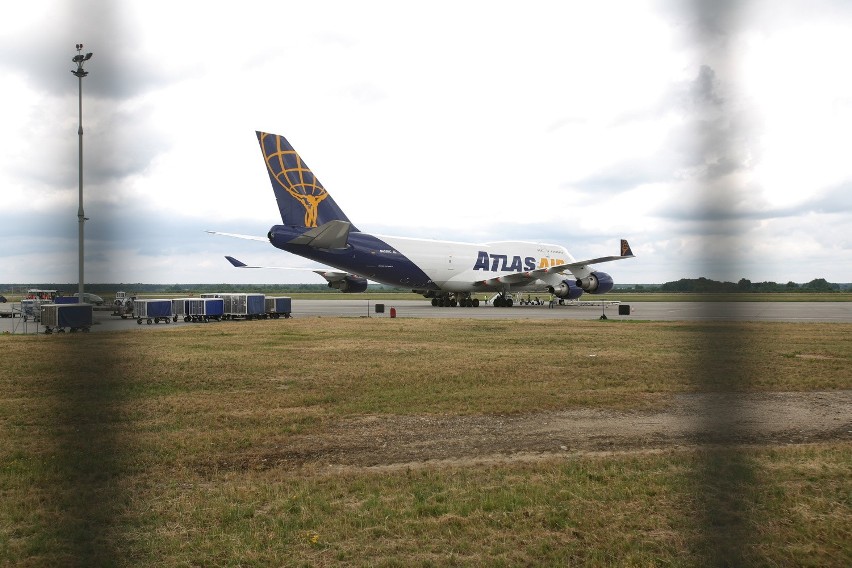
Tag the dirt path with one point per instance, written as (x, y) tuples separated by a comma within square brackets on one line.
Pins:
[(393, 442)]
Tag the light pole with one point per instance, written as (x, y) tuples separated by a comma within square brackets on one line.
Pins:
[(79, 59)]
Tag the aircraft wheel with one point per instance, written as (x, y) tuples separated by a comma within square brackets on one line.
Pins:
[(509, 302), (475, 302), (435, 302)]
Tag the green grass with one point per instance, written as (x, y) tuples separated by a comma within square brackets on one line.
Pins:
[(124, 448)]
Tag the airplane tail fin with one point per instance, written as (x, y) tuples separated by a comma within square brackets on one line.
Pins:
[(302, 200)]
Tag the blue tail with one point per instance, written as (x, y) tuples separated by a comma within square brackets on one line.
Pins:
[(302, 200)]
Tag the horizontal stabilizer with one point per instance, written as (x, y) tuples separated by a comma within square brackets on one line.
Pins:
[(239, 264), (329, 275), (235, 235)]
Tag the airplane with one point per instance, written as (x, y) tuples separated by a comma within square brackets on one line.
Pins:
[(450, 273)]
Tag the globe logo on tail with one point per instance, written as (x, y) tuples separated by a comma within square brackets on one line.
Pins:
[(288, 169)]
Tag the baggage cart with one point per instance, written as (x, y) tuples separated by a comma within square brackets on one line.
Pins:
[(155, 311), (178, 308), (277, 307), (122, 305), (242, 305), (246, 306), (76, 317), (203, 309)]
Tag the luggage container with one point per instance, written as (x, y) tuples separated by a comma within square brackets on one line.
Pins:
[(122, 305), (247, 306), (240, 305), (155, 311), (31, 308), (76, 317), (203, 309), (178, 308), (277, 307)]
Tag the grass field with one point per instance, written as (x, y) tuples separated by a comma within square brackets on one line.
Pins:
[(130, 449)]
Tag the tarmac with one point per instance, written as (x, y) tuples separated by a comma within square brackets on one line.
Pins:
[(801, 312)]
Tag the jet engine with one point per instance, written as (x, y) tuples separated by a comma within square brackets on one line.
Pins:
[(350, 284), (566, 290), (596, 283)]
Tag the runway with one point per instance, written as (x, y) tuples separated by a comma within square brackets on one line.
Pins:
[(802, 312)]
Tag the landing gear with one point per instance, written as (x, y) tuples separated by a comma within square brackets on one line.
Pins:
[(456, 299), (503, 301)]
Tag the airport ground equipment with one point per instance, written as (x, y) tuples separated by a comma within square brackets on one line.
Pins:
[(155, 311), (76, 317), (280, 306), (31, 308), (203, 309), (178, 308), (122, 305), (241, 305)]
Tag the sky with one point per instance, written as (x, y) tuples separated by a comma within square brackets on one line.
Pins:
[(714, 136)]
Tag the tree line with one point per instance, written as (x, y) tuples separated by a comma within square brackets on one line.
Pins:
[(706, 285)]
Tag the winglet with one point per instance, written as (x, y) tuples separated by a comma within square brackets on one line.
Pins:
[(236, 262), (625, 248)]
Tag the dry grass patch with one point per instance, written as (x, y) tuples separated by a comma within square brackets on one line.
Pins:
[(119, 448)]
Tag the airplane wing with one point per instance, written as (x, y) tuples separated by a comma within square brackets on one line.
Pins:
[(329, 275), (247, 237), (530, 275)]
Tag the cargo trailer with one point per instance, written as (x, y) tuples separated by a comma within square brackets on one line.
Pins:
[(203, 309), (277, 307), (76, 317), (240, 305), (155, 311), (246, 306), (178, 308)]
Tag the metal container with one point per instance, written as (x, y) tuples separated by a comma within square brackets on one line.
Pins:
[(203, 309), (152, 311), (76, 317), (277, 307), (242, 305), (178, 308)]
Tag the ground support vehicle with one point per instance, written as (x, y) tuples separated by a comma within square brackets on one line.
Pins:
[(241, 305), (31, 308), (76, 317), (122, 305), (152, 311), (203, 309), (277, 307), (178, 308)]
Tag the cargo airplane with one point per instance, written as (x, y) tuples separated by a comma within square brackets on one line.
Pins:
[(450, 273)]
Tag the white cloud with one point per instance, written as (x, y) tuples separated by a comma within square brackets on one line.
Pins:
[(569, 121)]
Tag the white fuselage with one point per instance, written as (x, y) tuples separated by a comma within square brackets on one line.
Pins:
[(456, 266)]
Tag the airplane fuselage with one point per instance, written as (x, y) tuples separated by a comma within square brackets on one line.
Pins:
[(432, 265)]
